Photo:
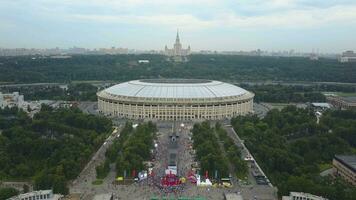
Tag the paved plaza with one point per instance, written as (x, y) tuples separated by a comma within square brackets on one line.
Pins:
[(151, 187)]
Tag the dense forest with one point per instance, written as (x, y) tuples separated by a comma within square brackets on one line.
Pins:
[(74, 92), (292, 148), (221, 67), (7, 192), (298, 93), (285, 94), (49, 149), (273, 93)]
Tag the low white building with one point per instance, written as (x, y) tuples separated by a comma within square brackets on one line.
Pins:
[(40, 194), (144, 61), (11, 100), (321, 106), (302, 196)]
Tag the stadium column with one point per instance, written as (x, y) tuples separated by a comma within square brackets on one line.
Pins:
[(198, 111)]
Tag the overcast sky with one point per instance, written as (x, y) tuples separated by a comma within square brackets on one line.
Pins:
[(303, 25)]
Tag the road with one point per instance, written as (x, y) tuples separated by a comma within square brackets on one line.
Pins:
[(89, 107), (259, 191), (261, 109), (83, 183)]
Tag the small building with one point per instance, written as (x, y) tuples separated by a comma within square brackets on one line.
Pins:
[(40, 194), (302, 196), (144, 61), (321, 106), (343, 103), (345, 167), (11, 100)]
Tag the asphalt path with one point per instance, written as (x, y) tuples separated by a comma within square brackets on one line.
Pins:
[(83, 183)]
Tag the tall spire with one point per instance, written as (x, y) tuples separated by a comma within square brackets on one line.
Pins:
[(177, 38)]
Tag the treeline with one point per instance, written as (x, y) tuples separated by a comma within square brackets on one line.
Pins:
[(51, 148), (74, 92), (278, 93), (285, 94), (7, 192), (208, 152), (291, 148), (132, 148), (221, 67)]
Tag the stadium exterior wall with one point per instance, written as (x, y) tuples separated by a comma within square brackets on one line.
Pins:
[(218, 108)]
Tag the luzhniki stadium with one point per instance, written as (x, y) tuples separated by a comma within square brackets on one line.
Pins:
[(175, 99)]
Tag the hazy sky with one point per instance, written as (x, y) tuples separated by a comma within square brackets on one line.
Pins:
[(303, 25)]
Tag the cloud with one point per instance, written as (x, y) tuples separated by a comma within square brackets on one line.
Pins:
[(185, 21), (295, 18), (287, 19), (192, 15), (214, 19)]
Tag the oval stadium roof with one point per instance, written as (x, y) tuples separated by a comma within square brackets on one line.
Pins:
[(175, 88)]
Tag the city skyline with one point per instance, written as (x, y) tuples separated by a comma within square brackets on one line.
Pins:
[(275, 25)]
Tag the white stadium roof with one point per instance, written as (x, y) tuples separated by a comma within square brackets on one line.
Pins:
[(175, 88)]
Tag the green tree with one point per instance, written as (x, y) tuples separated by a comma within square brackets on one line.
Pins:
[(7, 192)]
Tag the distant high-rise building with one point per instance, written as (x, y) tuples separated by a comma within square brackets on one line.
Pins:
[(348, 56), (177, 49), (314, 55)]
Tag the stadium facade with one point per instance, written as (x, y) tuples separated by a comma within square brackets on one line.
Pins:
[(175, 99)]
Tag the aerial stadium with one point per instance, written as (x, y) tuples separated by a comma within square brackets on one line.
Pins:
[(175, 99)]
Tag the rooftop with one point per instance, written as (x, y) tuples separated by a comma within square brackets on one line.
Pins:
[(349, 99), (302, 195), (175, 81), (348, 160), (37, 193), (175, 88), (322, 105)]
